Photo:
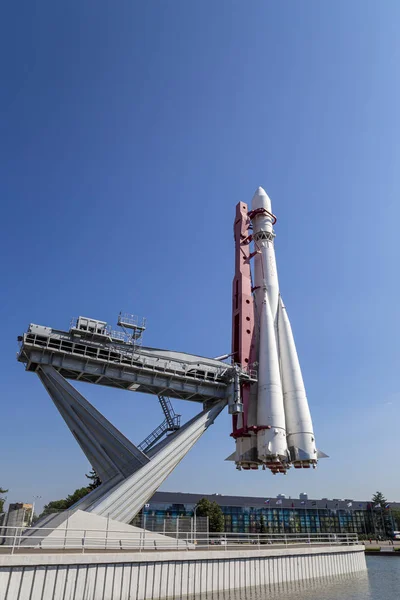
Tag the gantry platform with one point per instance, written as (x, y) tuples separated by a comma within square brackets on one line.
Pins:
[(105, 360)]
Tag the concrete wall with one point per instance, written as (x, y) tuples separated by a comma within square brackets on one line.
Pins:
[(158, 575)]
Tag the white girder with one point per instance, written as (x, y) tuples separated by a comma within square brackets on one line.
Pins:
[(128, 497), (106, 448), (129, 476)]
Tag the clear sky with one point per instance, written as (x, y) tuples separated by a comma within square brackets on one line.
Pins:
[(129, 131)]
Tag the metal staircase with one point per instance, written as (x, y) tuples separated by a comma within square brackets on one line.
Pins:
[(172, 422)]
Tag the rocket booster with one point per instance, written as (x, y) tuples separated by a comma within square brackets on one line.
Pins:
[(271, 436), (274, 429)]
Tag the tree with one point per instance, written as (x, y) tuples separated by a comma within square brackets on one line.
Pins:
[(95, 480), (382, 521), (77, 495), (379, 499), (2, 500), (212, 510), (263, 526), (54, 506), (64, 504)]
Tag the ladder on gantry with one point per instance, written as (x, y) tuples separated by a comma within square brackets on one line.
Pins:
[(172, 422)]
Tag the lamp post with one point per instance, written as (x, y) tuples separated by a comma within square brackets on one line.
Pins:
[(33, 509)]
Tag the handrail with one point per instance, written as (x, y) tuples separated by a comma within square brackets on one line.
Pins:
[(21, 539), (113, 355)]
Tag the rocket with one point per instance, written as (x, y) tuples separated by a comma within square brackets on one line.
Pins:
[(272, 423)]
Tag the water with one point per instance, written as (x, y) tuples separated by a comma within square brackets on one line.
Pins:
[(380, 582)]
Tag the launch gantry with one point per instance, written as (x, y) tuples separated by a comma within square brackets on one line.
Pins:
[(272, 425), (92, 352)]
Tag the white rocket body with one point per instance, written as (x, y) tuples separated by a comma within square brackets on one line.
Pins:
[(263, 236), (284, 427), (271, 437), (299, 428)]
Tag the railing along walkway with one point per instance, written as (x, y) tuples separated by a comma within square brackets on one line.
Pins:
[(45, 539)]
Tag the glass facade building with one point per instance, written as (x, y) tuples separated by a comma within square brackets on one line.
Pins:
[(280, 515)]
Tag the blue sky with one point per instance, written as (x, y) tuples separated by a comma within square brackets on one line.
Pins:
[(129, 131)]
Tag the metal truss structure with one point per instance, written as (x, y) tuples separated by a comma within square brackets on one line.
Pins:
[(91, 352)]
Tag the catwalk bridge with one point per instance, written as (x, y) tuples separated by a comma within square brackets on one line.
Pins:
[(93, 353)]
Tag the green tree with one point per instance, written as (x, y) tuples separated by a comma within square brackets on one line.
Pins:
[(2, 500), (379, 498), (95, 480), (213, 511), (64, 504), (263, 526), (382, 520), (77, 495), (54, 506)]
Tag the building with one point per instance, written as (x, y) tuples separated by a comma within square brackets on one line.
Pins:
[(19, 514), (17, 517), (280, 515)]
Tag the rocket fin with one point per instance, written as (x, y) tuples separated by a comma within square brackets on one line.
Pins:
[(321, 454), (231, 457), (300, 454), (246, 451)]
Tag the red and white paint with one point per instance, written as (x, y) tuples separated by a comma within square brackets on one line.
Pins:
[(274, 427)]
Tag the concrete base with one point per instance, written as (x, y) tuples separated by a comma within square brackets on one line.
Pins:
[(91, 531), (160, 575)]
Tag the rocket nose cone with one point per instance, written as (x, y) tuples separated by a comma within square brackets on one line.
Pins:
[(261, 200)]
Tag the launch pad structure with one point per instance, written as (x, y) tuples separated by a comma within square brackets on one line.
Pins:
[(90, 351)]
